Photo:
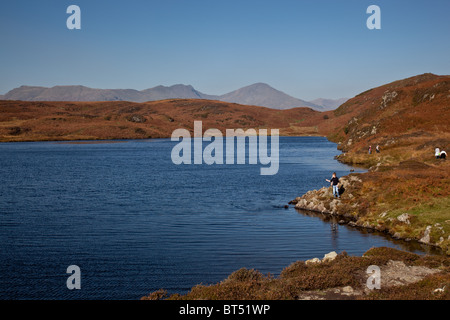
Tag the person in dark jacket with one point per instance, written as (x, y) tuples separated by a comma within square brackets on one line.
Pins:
[(334, 183)]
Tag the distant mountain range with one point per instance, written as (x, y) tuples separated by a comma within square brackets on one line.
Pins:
[(258, 94), (329, 104)]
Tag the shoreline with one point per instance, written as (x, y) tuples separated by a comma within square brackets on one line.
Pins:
[(373, 215), (99, 140), (337, 276), (345, 221)]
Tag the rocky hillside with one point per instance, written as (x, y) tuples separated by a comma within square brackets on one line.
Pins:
[(406, 113)]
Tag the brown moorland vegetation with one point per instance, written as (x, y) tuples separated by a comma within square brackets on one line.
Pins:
[(413, 111), (40, 121), (407, 118), (343, 278)]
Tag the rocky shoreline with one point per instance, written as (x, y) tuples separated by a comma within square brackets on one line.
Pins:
[(404, 276), (352, 209)]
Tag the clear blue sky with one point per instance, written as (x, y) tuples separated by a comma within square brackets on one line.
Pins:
[(308, 49)]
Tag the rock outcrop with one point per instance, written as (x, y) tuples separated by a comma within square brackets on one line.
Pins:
[(326, 258), (323, 201)]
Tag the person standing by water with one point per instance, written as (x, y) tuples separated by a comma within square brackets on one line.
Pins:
[(334, 183)]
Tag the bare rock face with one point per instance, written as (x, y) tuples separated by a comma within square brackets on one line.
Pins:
[(387, 98), (137, 118), (396, 273)]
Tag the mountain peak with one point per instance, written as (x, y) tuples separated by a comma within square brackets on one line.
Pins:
[(260, 84), (262, 94), (257, 94)]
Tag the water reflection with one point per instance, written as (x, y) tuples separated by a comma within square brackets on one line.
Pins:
[(339, 222)]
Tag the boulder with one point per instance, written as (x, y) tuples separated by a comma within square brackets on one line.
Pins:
[(354, 178), (397, 235), (301, 204), (426, 236), (333, 205), (347, 290), (312, 261), (321, 207), (137, 118), (404, 218), (329, 256)]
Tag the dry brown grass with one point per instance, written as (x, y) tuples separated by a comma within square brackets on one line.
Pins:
[(37, 121), (299, 278)]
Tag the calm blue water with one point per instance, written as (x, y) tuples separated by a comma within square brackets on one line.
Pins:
[(134, 222)]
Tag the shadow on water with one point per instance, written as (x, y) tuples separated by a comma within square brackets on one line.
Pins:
[(340, 222)]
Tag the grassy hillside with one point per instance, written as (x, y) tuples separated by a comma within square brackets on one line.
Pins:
[(407, 118)]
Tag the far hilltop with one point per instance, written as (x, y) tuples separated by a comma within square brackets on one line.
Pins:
[(258, 94)]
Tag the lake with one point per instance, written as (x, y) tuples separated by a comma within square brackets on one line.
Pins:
[(134, 222)]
